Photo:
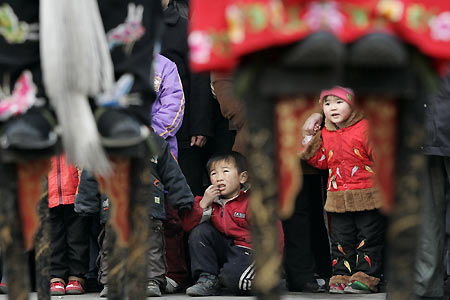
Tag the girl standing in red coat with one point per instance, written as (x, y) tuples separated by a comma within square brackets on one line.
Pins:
[(357, 227), (69, 260)]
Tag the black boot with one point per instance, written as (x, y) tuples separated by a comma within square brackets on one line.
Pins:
[(33, 130), (119, 128)]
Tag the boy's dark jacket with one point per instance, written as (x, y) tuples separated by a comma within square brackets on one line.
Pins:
[(165, 170)]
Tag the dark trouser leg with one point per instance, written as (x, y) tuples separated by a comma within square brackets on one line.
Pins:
[(58, 260), (207, 247), (77, 237), (192, 163), (371, 227), (157, 254), (103, 256), (343, 241), (299, 260), (429, 258), (320, 241), (239, 270)]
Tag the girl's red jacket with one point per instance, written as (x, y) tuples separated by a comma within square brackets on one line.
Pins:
[(62, 182), (231, 219)]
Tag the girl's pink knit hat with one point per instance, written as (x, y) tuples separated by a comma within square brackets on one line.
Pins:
[(345, 94)]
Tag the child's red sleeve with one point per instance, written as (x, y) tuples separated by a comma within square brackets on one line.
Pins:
[(193, 217)]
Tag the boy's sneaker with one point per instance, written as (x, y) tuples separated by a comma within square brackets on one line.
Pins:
[(172, 286), (74, 287), (3, 288), (104, 292), (357, 287), (57, 288), (337, 288), (207, 285), (153, 289)]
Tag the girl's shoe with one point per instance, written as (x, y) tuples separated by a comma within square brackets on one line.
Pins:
[(337, 288), (3, 288), (57, 288), (357, 287)]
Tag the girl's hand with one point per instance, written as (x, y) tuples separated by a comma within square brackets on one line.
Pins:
[(312, 124), (211, 193)]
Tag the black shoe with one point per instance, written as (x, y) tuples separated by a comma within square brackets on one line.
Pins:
[(313, 287), (119, 128), (30, 131)]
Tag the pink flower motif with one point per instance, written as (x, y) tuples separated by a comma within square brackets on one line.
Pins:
[(440, 27), (200, 46), (324, 15), (22, 98)]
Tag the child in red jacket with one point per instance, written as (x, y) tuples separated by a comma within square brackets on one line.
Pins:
[(220, 241), (69, 244), (357, 227)]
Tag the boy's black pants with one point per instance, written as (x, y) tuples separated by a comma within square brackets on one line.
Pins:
[(69, 248), (357, 241), (213, 253)]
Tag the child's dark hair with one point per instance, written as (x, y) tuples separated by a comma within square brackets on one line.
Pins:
[(239, 160)]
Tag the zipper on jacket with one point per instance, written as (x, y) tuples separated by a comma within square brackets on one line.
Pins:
[(58, 172)]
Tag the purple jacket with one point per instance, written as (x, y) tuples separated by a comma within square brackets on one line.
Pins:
[(168, 108)]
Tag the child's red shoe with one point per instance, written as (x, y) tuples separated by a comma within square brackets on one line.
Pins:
[(57, 288), (74, 287), (337, 288)]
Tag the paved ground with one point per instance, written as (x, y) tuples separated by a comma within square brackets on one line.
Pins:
[(289, 296)]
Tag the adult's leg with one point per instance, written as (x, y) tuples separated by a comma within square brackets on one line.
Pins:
[(299, 262), (320, 241), (192, 163), (430, 244)]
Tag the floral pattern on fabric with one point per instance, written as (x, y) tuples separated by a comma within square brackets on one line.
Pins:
[(15, 31), (324, 15), (20, 100), (242, 27), (440, 27), (129, 32), (391, 9)]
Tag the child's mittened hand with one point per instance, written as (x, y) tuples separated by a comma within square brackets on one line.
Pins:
[(211, 193)]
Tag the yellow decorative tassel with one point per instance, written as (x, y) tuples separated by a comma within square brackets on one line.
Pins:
[(357, 152), (369, 169), (347, 265), (361, 244)]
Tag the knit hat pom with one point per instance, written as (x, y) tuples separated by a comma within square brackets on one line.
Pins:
[(345, 94)]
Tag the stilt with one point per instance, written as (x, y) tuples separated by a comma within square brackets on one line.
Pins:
[(140, 182), (42, 252), (12, 243)]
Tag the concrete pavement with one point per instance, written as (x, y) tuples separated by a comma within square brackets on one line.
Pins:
[(287, 296)]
